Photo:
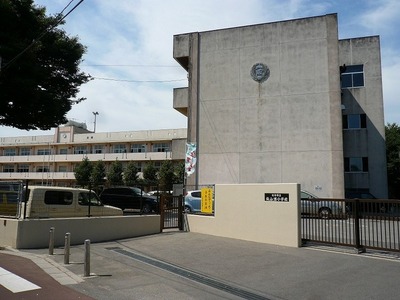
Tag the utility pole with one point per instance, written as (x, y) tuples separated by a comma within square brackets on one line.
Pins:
[(95, 113)]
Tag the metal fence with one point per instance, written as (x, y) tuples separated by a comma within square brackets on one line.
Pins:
[(11, 194), (360, 223)]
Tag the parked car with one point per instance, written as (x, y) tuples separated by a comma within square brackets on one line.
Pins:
[(311, 205), (367, 207), (193, 201), (62, 202), (129, 198)]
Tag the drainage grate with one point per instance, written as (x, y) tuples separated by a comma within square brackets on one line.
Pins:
[(191, 275)]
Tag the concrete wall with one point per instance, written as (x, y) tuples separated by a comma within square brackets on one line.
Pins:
[(241, 212), (368, 142), (34, 233), (286, 129)]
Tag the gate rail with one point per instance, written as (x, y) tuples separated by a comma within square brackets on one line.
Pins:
[(360, 223)]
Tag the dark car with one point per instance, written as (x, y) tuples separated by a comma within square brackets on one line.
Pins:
[(129, 198), (368, 204)]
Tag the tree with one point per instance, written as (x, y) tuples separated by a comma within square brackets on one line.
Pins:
[(392, 133), (98, 175), (179, 172), (114, 175), (166, 175), (131, 174), (150, 173), (83, 172), (39, 75)]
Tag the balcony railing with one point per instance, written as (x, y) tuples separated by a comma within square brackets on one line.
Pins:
[(143, 156)]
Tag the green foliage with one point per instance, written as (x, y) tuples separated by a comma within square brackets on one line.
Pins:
[(150, 173), (131, 174), (392, 133), (166, 175), (98, 175), (179, 172), (83, 172), (114, 175), (39, 75)]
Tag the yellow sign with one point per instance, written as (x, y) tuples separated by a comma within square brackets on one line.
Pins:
[(207, 200)]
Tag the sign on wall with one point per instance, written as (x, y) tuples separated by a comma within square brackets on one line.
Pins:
[(278, 197), (207, 200)]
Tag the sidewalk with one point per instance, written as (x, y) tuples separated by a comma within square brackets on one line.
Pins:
[(184, 265)]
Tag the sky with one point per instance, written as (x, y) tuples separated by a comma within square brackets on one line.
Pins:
[(129, 51)]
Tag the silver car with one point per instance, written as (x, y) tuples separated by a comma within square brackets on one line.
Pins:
[(311, 205), (193, 201)]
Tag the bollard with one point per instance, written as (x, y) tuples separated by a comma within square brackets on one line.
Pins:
[(67, 248), (51, 241), (87, 259)]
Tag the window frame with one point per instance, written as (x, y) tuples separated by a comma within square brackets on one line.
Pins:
[(349, 119), (24, 151), (161, 147), (43, 151), (351, 75), (138, 148), (361, 162), (9, 151), (119, 148), (58, 197)]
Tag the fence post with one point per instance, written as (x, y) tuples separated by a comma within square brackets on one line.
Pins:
[(67, 248), (87, 259), (359, 248), (51, 241)]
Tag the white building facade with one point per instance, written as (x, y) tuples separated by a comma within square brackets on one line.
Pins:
[(285, 102), (51, 159)]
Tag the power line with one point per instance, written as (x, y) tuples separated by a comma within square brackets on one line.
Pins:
[(59, 19), (146, 66), (127, 80)]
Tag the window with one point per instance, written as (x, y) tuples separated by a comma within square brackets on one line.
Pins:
[(355, 121), (356, 164), (119, 148), (98, 148), (43, 151), (139, 166), (23, 168), (157, 165), (8, 168), (25, 151), (62, 169), (58, 197), (80, 150), (42, 169), (84, 199), (63, 151), (352, 76), (9, 151), (161, 147), (138, 148)]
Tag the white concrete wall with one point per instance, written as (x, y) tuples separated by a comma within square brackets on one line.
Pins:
[(241, 212), (34, 233)]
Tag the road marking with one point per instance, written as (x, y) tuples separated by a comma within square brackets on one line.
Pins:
[(15, 283)]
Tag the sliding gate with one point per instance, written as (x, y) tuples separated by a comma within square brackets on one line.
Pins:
[(360, 223)]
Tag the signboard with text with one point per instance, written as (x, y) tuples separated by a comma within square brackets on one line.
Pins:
[(277, 197), (207, 200)]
